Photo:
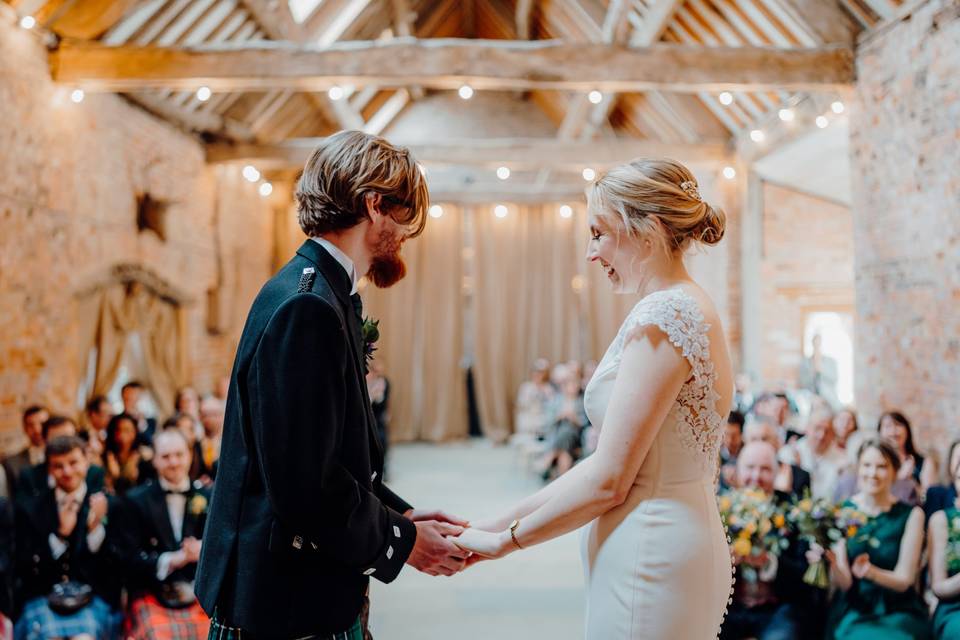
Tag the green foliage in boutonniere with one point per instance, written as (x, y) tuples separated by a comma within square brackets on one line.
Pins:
[(198, 504), (371, 333)]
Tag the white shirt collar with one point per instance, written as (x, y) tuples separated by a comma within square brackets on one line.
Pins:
[(343, 259), (78, 495), (182, 487)]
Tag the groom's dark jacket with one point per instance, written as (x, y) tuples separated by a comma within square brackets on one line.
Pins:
[(300, 517)]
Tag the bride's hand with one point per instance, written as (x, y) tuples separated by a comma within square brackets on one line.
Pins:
[(492, 525), (488, 544)]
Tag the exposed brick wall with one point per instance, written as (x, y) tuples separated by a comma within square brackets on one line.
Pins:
[(68, 175), (905, 135), (807, 265)]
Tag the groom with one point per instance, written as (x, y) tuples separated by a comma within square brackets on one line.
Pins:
[(300, 518)]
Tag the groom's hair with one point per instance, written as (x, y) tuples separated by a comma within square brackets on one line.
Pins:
[(331, 191)]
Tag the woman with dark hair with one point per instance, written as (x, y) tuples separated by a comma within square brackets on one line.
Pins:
[(943, 496), (876, 570), (127, 461), (944, 536), (895, 427)]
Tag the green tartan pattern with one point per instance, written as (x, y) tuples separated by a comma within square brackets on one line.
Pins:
[(221, 631)]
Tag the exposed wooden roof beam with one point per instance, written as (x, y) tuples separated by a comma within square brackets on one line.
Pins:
[(524, 13), (827, 21), (448, 63), (516, 153), (275, 18)]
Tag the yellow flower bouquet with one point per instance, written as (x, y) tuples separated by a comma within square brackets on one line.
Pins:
[(821, 522), (756, 525)]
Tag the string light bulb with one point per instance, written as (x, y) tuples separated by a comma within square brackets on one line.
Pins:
[(266, 189), (729, 173), (757, 135), (503, 173), (77, 96), (566, 211), (786, 115), (823, 121), (335, 92), (465, 92), (28, 22), (203, 94), (589, 174), (250, 173), (726, 98), (500, 211), (595, 97), (837, 107), (436, 211)]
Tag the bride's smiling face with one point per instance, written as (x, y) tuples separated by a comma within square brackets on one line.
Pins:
[(622, 257)]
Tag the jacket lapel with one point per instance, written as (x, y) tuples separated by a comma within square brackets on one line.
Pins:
[(340, 284)]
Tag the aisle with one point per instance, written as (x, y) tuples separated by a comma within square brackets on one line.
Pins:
[(530, 595)]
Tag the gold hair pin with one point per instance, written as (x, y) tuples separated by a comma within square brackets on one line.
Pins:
[(691, 189)]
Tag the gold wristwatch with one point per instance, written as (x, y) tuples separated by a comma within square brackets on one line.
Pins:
[(513, 533)]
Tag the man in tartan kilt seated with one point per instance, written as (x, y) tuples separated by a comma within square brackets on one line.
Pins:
[(162, 528), (66, 556)]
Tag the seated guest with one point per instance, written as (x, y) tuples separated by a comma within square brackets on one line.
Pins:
[(816, 454), (569, 420), (162, 532), (37, 479), (532, 416), (185, 424), (944, 540), (64, 550), (730, 447), (128, 461), (776, 605), (847, 434), (187, 401), (895, 427), (943, 496), (132, 395), (6, 563), (790, 478), (97, 416), (775, 407), (211, 417), (32, 454), (876, 570)]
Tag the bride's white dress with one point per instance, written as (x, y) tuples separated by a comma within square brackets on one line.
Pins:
[(658, 567)]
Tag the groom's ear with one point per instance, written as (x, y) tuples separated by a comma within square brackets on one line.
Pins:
[(374, 202)]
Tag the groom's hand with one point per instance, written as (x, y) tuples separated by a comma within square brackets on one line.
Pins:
[(433, 553), (419, 515)]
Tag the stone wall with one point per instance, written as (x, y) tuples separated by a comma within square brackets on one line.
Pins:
[(68, 178), (806, 266), (905, 135)]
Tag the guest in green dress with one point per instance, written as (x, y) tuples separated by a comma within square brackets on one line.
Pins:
[(876, 570), (944, 553)]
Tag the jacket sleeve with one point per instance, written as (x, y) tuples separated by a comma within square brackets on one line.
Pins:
[(297, 423), (392, 500)]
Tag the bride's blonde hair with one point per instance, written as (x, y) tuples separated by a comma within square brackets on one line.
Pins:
[(657, 198)]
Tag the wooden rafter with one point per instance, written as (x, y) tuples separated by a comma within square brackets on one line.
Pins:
[(448, 63)]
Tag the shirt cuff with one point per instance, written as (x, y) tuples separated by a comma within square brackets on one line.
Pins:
[(57, 546), (400, 538), (769, 571), (163, 565), (95, 538)]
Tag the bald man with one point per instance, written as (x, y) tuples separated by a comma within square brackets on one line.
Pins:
[(791, 478), (777, 605)]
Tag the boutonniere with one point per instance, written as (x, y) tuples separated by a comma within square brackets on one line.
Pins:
[(371, 333), (198, 504)]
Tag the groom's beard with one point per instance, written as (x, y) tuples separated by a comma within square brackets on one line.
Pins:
[(387, 267)]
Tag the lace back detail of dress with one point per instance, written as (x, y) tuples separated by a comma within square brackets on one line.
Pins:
[(678, 315)]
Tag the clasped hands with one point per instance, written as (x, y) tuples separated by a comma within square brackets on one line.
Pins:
[(447, 545)]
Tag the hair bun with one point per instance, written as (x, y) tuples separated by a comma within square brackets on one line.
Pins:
[(713, 225)]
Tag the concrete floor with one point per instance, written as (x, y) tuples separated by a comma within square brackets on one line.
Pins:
[(533, 594)]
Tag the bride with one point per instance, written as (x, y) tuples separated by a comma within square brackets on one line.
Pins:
[(655, 553)]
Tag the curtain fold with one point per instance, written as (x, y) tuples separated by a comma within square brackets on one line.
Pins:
[(421, 329), (116, 311)]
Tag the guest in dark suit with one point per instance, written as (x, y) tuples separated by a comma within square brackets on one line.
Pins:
[(32, 454), (127, 459), (161, 532), (37, 479), (63, 537), (300, 518), (791, 478), (132, 393), (6, 559), (777, 604)]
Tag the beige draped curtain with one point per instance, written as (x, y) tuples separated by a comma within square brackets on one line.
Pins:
[(112, 313), (536, 297), (421, 343)]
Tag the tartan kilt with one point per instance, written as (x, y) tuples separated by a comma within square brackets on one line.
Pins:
[(219, 630), (38, 622), (150, 620)]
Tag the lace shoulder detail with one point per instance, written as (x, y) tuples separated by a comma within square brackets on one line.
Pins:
[(677, 314)]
